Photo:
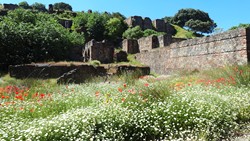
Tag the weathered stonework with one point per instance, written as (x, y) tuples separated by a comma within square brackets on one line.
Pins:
[(66, 23), (159, 25), (164, 40), (169, 29), (10, 6), (148, 43), (135, 21), (231, 47), (130, 46), (121, 56), (75, 53), (51, 9), (147, 23), (70, 73), (101, 51)]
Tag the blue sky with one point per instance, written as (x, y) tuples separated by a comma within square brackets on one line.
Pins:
[(226, 13)]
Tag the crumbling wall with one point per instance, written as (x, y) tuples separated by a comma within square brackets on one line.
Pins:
[(10, 6), (146, 23), (148, 43), (66, 23), (228, 48), (130, 46), (101, 51)]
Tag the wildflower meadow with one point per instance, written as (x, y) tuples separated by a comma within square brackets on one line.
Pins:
[(208, 105)]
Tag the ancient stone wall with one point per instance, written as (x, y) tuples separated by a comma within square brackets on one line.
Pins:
[(101, 51), (71, 73), (130, 46), (228, 48), (148, 43), (146, 23), (10, 6), (66, 23)]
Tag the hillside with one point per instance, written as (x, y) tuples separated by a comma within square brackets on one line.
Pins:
[(183, 33)]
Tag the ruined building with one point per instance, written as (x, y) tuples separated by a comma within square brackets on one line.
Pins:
[(101, 51), (147, 43), (146, 23)]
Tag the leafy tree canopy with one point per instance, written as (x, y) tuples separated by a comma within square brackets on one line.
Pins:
[(115, 28), (24, 5), (62, 6), (195, 20), (241, 25), (39, 7)]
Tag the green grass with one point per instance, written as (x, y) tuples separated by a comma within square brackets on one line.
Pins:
[(182, 33), (189, 106)]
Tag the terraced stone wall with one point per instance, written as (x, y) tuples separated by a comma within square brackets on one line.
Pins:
[(228, 48)]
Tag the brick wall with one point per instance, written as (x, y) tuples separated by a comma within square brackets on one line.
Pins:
[(231, 47)]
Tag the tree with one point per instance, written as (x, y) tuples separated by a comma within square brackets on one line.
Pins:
[(95, 26), (133, 33), (195, 20), (27, 37), (168, 19), (62, 6), (241, 25), (115, 28), (39, 7), (118, 15), (24, 5)]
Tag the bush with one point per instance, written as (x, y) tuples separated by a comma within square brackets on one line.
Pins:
[(133, 33), (149, 32)]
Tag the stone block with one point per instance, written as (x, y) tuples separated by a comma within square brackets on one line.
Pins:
[(134, 21), (101, 51), (147, 23), (121, 56), (130, 46), (148, 43), (159, 25), (66, 23), (164, 40), (10, 6)]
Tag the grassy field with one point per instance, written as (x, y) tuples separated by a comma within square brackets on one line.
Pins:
[(208, 105)]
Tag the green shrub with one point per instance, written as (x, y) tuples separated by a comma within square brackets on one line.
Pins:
[(28, 37), (133, 33), (149, 32)]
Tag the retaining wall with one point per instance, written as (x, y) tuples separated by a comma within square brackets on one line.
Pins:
[(228, 48)]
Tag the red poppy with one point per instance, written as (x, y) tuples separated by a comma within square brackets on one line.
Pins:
[(97, 93), (124, 85), (123, 99), (42, 95), (120, 89), (146, 84)]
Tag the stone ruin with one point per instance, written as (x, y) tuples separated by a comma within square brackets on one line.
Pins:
[(10, 6), (101, 51), (143, 44), (66, 23), (146, 23), (71, 73)]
